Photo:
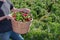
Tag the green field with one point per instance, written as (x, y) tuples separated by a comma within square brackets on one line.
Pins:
[(46, 18)]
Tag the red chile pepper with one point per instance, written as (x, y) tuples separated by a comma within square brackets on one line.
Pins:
[(24, 14), (28, 19)]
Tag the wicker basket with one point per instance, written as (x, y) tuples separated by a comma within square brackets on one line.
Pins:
[(20, 27)]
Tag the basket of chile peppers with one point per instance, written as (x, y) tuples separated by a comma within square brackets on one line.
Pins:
[(22, 21)]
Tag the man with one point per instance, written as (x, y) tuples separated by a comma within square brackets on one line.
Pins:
[(5, 21)]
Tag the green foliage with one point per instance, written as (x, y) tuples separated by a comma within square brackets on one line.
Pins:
[(46, 14)]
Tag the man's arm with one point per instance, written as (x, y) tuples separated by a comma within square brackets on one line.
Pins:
[(14, 10), (23, 10), (1, 18)]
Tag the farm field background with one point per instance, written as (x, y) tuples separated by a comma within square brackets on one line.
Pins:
[(46, 18)]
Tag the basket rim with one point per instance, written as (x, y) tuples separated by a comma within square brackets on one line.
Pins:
[(24, 21)]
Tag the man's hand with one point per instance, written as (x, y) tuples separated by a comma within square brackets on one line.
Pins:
[(9, 17)]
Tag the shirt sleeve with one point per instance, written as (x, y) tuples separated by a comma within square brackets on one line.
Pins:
[(1, 12), (11, 4), (11, 7), (1, 3)]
